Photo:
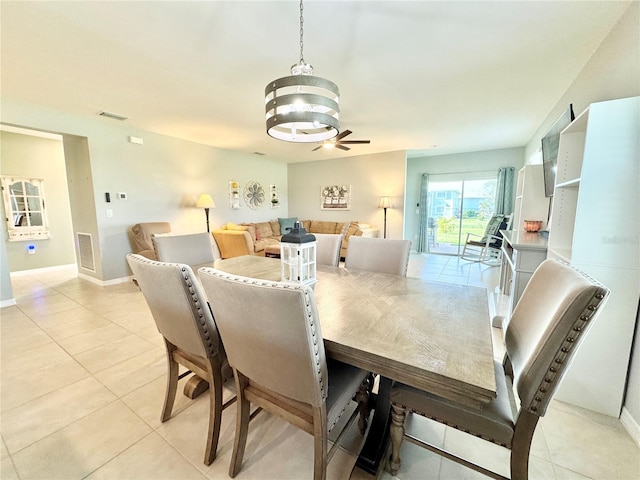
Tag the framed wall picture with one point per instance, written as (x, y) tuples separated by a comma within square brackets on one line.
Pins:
[(335, 197)]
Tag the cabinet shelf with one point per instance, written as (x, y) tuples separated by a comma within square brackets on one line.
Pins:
[(574, 183), (531, 202), (598, 153)]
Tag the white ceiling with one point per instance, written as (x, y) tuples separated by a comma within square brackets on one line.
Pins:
[(435, 77)]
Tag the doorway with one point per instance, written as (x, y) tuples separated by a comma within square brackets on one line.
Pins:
[(458, 204)]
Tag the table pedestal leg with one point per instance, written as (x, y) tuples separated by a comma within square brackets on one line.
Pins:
[(195, 386), (372, 453)]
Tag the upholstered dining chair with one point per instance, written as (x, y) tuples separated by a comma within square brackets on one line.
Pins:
[(380, 255), (328, 248), (547, 326), (279, 361), (194, 249), (141, 237), (190, 335)]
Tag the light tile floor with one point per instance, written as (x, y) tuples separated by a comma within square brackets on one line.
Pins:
[(82, 383)]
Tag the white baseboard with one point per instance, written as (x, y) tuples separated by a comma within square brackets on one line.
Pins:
[(103, 283), (74, 266), (21, 273), (631, 425), (7, 303)]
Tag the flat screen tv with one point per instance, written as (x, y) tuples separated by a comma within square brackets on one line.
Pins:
[(550, 143)]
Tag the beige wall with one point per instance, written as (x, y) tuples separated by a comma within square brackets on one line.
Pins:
[(37, 157), (370, 177)]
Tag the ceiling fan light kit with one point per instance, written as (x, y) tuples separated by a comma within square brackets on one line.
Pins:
[(337, 142), (302, 108)]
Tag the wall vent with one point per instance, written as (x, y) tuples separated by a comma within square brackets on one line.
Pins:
[(85, 250), (116, 116)]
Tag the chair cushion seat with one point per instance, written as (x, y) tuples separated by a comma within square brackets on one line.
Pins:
[(344, 380), (493, 423)]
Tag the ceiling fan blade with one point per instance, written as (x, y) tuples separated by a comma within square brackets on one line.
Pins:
[(354, 141), (317, 148), (342, 135), (341, 147)]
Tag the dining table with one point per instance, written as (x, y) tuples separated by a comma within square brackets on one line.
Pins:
[(431, 335)]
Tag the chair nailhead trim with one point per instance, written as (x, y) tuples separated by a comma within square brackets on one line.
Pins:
[(561, 354)]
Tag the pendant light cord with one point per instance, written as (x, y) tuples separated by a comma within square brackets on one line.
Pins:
[(301, 33)]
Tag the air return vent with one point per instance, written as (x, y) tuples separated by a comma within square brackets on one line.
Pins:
[(117, 116), (85, 250)]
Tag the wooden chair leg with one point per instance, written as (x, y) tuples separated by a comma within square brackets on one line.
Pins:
[(242, 424), (172, 384), (320, 443), (396, 432), (521, 445), (215, 414)]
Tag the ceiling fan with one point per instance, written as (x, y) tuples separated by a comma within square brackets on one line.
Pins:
[(337, 142)]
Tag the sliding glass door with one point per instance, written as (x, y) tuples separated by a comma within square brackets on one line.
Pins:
[(458, 204)]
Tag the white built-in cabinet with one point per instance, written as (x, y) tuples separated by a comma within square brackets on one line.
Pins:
[(531, 202), (594, 225), (522, 251)]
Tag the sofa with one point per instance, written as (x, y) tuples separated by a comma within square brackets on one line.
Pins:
[(251, 238)]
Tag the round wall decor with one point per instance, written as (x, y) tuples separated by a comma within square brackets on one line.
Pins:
[(254, 195)]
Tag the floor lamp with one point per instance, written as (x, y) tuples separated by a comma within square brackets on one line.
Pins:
[(385, 202), (205, 201)]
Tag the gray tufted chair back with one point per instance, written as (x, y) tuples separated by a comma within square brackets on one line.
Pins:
[(547, 326)]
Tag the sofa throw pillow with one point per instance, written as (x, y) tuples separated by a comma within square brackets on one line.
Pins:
[(263, 230), (252, 231), (287, 224), (275, 227)]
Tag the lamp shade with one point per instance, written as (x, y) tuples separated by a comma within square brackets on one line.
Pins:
[(302, 108), (205, 201), (385, 202)]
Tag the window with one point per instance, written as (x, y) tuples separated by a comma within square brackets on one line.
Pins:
[(25, 208)]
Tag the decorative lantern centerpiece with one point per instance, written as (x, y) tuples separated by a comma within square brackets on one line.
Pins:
[(298, 256)]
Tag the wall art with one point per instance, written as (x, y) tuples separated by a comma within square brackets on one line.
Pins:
[(335, 197)]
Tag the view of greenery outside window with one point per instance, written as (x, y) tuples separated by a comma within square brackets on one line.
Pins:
[(457, 208), (25, 208)]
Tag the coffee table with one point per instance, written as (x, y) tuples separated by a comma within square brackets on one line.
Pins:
[(272, 251)]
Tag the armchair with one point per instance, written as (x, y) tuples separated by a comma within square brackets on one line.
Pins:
[(141, 237)]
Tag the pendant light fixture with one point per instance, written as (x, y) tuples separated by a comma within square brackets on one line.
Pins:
[(302, 108)]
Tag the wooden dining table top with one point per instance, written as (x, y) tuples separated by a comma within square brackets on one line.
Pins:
[(430, 335)]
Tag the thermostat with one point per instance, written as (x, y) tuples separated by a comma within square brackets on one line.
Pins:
[(121, 196)]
